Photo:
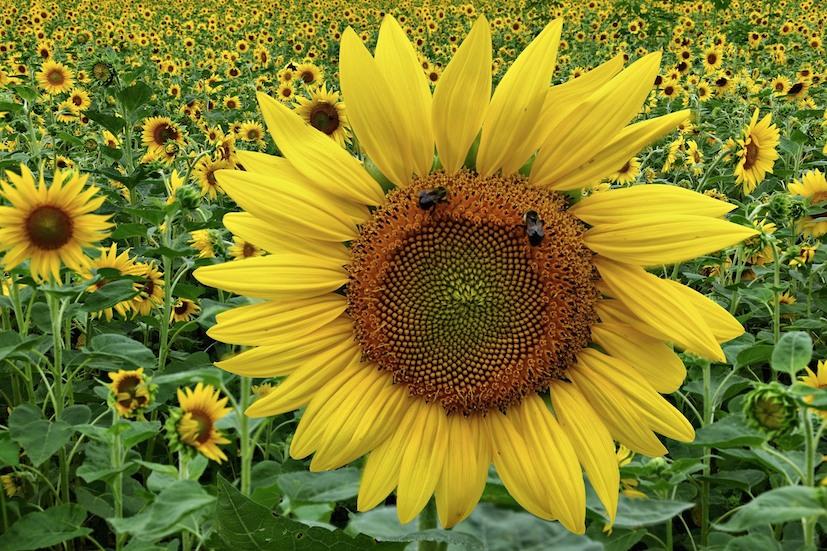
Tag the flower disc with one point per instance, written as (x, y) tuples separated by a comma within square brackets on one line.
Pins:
[(456, 299)]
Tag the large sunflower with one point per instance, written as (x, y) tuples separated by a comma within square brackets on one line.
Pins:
[(51, 225), (450, 324), (55, 77)]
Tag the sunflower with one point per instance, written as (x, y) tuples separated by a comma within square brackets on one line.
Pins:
[(109, 259), (80, 99), (184, 309), (252, 131), (285, 92), (205, 172), (780, 85), (798, 91), (471, 295), (309, 74), (232, 102), (202, 241), (712, 59), (242, 248), (200, 410), (55, 77), (818, 380), (758, 152), (159, 131), (49, 226), (325, 112), (131, 392), (150, 289), (628, 173), (812, 186)]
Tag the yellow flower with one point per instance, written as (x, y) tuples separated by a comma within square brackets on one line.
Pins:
[(160, 131), (201, 409), (758, 152), (432, 368), (202, 241), (243, 249), (110, 259), (325, 112), (184, 309), (49, 226), (55, 77), (813, 187), (150, 289), (816, 380), (131, 392), (12, 484)]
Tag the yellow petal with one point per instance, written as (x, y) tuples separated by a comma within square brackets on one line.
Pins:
[(396, 59), (722, 324), (317, 157), (464, 472), (591, 440), (560, 479), (381, 473), (275, 276), (288, 205), (461, 97), (649, 356), (595, 122), (274, 240), (276, 321), (657, 413), (614, 311), (380, 121), (625, 204), (615, 410), (279, 168), (656, 303), (564, 98), (618, 151), (516, 104), (299, 387), (664, 239), (513, 461)]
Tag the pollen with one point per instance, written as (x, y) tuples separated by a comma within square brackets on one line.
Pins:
[(461, 301)]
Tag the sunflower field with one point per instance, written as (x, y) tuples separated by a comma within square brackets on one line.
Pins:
[(482, 276)]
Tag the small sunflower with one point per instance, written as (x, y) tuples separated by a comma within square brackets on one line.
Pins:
[(131, 392), (780, 85), (202, 241), (200, 410), (110, 259), (758, 152), (818, 380), (798, 91), (325, 112), (443, 317), (184, 309), (252, 131), (813, 187), (309, 74), (286, 92), (241, 248), (12, 484), (55, 77), (205, 172), (150, 289), (159, 131), (628, 173), (51, 225), (80, 99)]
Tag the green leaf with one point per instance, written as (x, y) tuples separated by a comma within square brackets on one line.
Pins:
[(79, 414), (753, 542), (127, 230), (162, 516), (10, 107), (382, 523), (792, 352), (242, 523), (729, 432), (43, 529), (26, 93), (777, 506), (138, 432), (758, 353), (635, 513), (134, 96), (304, 486), (37, 436), (109, 295), (9, 451), (110, 122), (119, 351)]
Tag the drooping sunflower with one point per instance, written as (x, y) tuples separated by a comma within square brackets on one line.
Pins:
[(184, 309), (131, 392), (159, 131), (55, 77), (758, 152), (812, 186), (325, 112), (110, 259), (200, 410), (51, 225), (433, 331)]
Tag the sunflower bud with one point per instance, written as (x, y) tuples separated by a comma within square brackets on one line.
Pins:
[(188, 197), (103, 72), (770, 409)]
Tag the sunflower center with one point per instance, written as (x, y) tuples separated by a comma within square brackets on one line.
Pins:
[(325, 117), (164, 132), (751, 154), (472, 291), (49, 227), (55, 77), (181, 308), (203, 423)]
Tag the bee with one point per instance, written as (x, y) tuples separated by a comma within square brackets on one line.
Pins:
[(429, 198), (534, 228)]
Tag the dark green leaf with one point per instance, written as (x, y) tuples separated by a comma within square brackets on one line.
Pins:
[(38, 437), (792, 352), (304, 486), (729, 432), (43, 529), (119, 351), (110, 122), (9, 451), (109, 295), (777, 506)]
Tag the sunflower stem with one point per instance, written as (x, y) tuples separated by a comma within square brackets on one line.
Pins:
[(163, 350), (809, 472), (183, 461), (707, 453), (428, 521), (244, 428), (117, 483), (776, 301)]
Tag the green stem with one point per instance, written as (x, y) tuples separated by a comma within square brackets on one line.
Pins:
[(186, 544), (776, 305), (809, 473), (56, 314), (244, 427), (163, 351), (117, 484), (428, 521), (707, 454)]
